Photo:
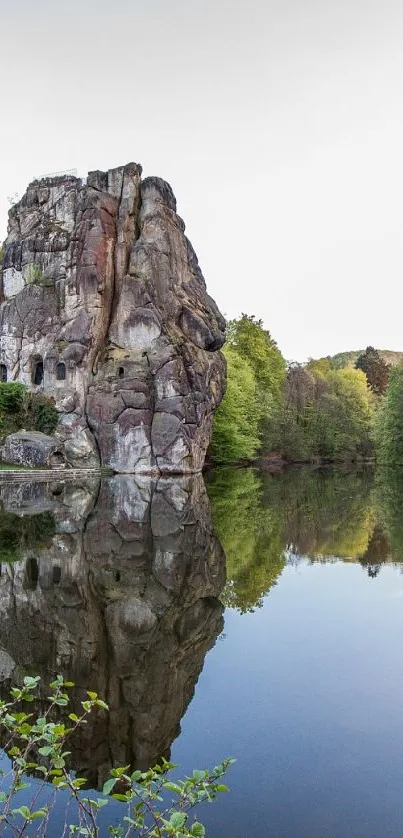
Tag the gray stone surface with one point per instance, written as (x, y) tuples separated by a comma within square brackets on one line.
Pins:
[(100, 277), (33, 450)]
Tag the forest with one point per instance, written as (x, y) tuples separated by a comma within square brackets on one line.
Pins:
[(348, 408)]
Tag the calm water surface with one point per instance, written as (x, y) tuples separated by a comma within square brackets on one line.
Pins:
[(268, 629)]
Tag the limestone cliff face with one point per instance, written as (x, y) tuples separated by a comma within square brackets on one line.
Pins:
[(105, 309), (124, 601)]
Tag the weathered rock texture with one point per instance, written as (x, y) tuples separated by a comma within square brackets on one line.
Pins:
[(102, 287), (123, 600), (33, 449)]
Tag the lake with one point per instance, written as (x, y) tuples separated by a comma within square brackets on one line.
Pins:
[(261, 619)]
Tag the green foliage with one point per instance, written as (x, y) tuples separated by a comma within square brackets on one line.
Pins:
[(349, 359), (254, 343), (389, 423), (21, 409), (13, 406), (327, 414), (34, 276), (36, 745), (236, 423), (375, 369), (311, 412), (44, 414), (255, 376)]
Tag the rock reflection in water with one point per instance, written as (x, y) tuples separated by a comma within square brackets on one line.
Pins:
[(123, 599)]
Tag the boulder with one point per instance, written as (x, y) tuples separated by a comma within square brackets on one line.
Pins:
[(33, 449)]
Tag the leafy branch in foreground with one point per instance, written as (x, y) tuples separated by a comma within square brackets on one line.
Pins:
[(36, 745)]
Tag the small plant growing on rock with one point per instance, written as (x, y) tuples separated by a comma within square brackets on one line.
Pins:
[(36, 745), (34, 276)]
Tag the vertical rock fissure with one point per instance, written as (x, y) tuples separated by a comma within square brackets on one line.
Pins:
[(136, 330)]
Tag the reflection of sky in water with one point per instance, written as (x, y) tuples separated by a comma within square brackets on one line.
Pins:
[(305, 690)]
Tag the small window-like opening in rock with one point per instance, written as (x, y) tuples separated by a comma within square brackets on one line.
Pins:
[(56, 575), (121, 372), (32, 571), (37, 375), (61, 372), (117, 576), (3, 372)]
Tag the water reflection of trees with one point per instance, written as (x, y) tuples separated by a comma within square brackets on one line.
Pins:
[(251, 530), (265, 521), (389, 502)]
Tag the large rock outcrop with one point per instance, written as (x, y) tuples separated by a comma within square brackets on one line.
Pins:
[(105, 309), (120, 594)]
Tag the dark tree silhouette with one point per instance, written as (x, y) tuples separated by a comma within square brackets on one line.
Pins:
[(375, 368)]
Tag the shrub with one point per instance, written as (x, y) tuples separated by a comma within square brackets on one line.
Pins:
[(36, 745), (44, 414), (21, 409), (13, 404)]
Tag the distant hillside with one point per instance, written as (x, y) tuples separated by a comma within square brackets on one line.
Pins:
[(348, 359)]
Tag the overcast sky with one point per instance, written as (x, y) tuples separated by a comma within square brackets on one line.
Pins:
[(278, 123)]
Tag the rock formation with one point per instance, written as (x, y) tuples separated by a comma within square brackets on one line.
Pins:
[(104, 308), (33, 450), (122, 599)]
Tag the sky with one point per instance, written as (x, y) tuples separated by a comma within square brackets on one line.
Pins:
[(278, 123)]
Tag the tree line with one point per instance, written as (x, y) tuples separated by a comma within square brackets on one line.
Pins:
[(310, 412)]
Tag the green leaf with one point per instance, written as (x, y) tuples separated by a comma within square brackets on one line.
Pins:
[(58, 762), (31, 682), (40, 813), (23, 811), (15, 692), (46, 750), (108, 786), (178, 820), (172, 787), (197, 830)]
